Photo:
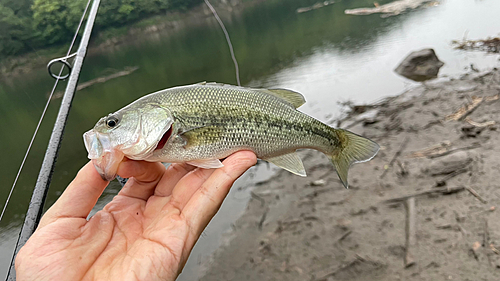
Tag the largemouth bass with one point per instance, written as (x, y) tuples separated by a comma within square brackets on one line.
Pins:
[(202, 123)]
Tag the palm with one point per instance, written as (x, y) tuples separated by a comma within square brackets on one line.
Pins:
[(145, 233)]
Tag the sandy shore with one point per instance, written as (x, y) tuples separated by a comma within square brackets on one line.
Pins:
[(313, 229)]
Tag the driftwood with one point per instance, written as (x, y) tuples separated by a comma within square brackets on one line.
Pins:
[(437, 149), (479, 124), (314, 7), (81, 86), (390, 9), (442, 190), (443, 181), (467, 109), (472, 146), (490, 45)]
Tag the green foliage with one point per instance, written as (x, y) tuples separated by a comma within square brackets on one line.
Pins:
[(16, 32), (56, 20), (28, 24)]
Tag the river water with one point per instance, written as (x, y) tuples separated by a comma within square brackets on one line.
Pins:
[(326, 55)]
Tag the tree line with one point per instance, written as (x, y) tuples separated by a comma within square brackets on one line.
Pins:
[(26, 25)]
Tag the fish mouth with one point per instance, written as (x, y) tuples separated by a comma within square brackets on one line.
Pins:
[(105, 158), (164, 139)]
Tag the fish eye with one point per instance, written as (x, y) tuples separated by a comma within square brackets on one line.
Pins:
[(111, 122)]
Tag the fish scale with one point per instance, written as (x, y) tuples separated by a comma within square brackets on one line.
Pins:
[(209, 121), (263, 119)]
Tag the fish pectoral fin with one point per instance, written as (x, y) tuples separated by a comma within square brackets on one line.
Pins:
[(207, 163), (201, 136), (290, 162), (296, 99)]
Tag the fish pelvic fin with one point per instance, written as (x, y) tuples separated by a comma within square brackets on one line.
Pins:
[(353, 149)]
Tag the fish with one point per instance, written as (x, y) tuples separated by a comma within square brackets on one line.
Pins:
[(201, 123)]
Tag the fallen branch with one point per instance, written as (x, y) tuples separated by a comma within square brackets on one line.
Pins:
[(490, 45), (465, 110), (314, 7), (486, 234), (472, 146), (443, 191), (443, 181), (128, 70), (474, 192), (390, 9), (437, 149), (480, 124), (411, 236), (344, 236)]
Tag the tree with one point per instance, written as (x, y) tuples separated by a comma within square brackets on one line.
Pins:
[(28, 24), (16, 33), (56, 20)]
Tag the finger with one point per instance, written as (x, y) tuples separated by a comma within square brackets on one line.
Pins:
[(79, 197), (175, 172), (207, 200), (143, 178), (187, 186)]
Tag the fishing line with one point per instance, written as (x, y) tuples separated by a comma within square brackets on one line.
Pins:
[(44, 111), (227, 39)]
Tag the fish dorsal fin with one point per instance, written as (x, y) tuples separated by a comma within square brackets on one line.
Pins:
[(207, 163), (204, 83), (290, 162), (296, 99)]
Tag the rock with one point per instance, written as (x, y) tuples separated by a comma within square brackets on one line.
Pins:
[(448, 164), (319, 182), (420, 65)]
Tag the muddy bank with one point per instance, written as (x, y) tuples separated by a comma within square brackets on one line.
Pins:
[(439, 146)]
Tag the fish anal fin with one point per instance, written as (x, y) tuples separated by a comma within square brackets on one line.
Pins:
[(296, 99), (290, 162), (207, 163)]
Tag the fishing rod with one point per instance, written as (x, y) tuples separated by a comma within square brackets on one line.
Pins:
[(44, 177), (35, 209)]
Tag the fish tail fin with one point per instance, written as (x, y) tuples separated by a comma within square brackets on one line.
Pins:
[(353, 149)]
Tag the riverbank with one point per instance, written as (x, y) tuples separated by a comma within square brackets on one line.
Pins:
[(439, 146)]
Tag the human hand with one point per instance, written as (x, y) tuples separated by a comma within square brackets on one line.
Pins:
[(145, 233)]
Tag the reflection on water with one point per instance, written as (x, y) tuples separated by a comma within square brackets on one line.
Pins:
[(324, 54)]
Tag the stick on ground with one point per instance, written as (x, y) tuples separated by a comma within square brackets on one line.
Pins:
[(474, 192), (443, 190), (411, 236)]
